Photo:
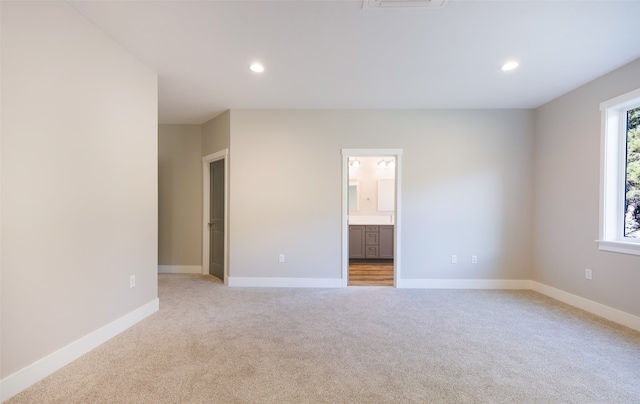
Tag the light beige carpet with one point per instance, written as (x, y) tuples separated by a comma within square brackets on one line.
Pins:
[(213, 344)]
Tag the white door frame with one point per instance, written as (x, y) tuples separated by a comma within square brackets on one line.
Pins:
[(346, 154), (206, 196)]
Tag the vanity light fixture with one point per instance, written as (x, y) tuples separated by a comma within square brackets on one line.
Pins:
[(386, 163), (354, 163)]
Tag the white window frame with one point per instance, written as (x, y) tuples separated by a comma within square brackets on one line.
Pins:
[(613, 174)]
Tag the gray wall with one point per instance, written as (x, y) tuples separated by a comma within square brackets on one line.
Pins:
[(179, 195), (216, 134), (567, 190), (466, 190), (79, 181)]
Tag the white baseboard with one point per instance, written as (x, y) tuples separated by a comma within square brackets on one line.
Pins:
[(609, 313), (615, 315), (285, 282), (179, 269), (463, 284), (15, 383)]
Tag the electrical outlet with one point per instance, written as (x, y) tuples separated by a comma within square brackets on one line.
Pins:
[(132, 281), (281, 258), (474, 259), (588, 274), (454, 259)]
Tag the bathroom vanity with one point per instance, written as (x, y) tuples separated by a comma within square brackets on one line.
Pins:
[(370, 241)]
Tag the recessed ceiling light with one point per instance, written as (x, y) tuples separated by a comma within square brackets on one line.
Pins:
[(256, 67), (509, 66)]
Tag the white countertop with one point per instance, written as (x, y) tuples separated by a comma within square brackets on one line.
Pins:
[(364, 220)]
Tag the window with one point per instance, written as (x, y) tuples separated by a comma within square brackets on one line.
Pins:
[(620, 184), (632, 175)]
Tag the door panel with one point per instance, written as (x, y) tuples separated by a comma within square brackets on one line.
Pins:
[(386, 242), (356, 241), (216, 220)]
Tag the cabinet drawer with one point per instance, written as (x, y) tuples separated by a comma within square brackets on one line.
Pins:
[(371, 251), (372, 228), (371, 238)]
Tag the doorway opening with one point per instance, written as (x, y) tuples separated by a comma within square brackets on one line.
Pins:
[(215, 208), (371, 217)]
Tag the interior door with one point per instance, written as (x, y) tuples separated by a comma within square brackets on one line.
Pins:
[(216, 220)]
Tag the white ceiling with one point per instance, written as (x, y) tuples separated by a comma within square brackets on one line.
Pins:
[(337, 54)]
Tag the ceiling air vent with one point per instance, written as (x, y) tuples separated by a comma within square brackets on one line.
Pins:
[(431, 4)]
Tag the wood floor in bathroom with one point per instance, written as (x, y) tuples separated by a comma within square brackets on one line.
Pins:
[(371, 273)]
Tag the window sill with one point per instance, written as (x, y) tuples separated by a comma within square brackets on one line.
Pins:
[(619, 247)]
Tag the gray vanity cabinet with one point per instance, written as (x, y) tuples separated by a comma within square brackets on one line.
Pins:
[(356, 241), (386, 242), (371, 241)]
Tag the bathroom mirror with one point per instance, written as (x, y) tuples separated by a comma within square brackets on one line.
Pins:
[(353, 195)]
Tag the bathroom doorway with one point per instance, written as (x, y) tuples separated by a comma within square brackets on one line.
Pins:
[(371, 217)]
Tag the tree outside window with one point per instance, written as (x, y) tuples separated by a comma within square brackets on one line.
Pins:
[(632, 184)]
